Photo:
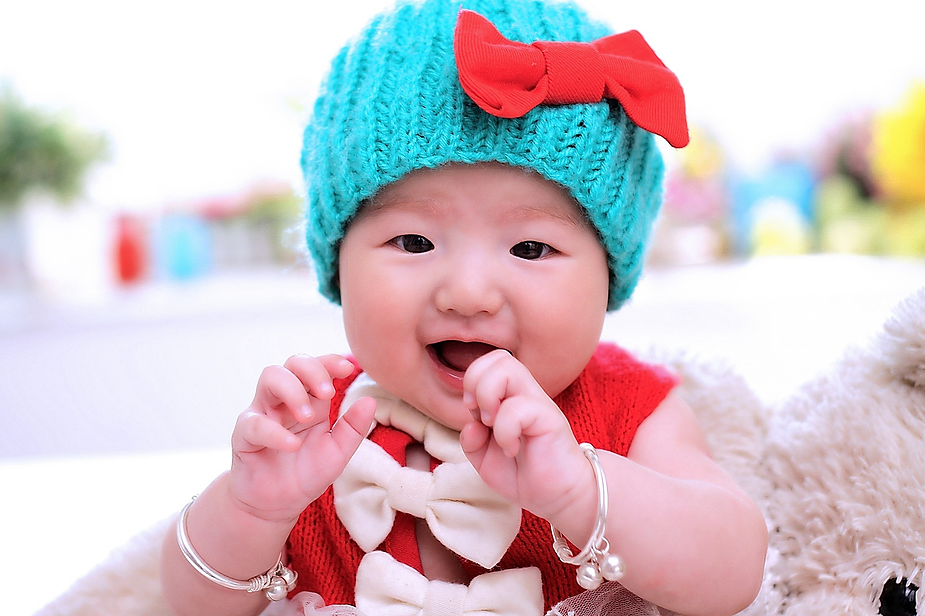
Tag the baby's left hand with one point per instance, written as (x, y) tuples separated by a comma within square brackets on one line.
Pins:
[(519, 441)]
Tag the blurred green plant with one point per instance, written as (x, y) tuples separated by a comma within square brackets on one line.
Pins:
[(42, 152), (278, 209), (280, 204)]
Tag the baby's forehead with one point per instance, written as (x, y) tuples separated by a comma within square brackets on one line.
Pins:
[(530, 195)]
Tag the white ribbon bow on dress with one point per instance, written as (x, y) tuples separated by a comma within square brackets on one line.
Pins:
[(438, 440), (386, 587), (463, 513)]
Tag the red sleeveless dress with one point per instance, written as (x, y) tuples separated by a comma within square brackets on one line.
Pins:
[(604, 405)]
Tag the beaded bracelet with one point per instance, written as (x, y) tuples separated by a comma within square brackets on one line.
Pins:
[(594, 562), (278, 582)]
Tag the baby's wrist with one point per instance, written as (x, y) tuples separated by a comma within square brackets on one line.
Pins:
[(230, 539), (575, 513), (595, 562), (276, 582), (247, 512), (283, 518)]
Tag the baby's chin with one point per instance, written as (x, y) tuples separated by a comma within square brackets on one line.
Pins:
[(451, 413)]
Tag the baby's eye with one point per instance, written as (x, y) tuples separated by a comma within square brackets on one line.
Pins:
[(531, 250), (412, 243)]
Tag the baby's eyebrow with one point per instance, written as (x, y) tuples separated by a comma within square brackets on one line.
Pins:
[(573, 219), (381, 204)]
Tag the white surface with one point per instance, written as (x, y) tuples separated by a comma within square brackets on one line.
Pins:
[(113, 416), (779, 321), (62, 516)]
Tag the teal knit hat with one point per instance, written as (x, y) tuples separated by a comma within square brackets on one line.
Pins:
[(392, 103)]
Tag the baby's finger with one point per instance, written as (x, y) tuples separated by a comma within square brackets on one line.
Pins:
[(491, 392), (280, 390), (317, 376), (473, 438), (485, 364), (255, 431), (485, 385), (512, 423), (353, 426), (337, 366)]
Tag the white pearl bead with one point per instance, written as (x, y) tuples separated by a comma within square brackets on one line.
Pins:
[(277, 591), (589, 577), (289, 577), (612, 567)]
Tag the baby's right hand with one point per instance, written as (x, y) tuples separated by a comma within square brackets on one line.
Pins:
[(285, 453)]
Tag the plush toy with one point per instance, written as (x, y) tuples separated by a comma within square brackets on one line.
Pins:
[(839, 469), (845, 458)]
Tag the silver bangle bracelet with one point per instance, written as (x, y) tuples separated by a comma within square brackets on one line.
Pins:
[(278, 582), (594, 562)]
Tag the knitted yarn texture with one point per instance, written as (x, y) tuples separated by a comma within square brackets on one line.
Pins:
[(392, 103)]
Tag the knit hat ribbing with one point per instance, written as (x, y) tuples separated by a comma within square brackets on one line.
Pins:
[(392, 103)]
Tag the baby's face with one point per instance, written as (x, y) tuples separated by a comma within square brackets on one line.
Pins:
[(451, 263)]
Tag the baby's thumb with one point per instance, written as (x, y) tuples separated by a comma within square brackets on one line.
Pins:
[(352, 427)]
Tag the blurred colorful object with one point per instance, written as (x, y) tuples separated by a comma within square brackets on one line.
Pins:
[(777, 227), (693, 227), (848, 220), (131, 250), (184, 246), (871, 199), (695, 191), (899, 150), (846, 150), (772, 212)]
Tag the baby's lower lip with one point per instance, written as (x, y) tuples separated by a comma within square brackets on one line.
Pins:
[(453, 378)]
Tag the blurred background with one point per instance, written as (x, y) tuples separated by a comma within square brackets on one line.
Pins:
[(150, 251), (144, 143)]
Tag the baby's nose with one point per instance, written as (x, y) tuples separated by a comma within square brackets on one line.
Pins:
[(470, 289)]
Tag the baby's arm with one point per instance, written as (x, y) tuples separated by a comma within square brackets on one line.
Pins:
[(698, 541), (691, 540), (284, 455)]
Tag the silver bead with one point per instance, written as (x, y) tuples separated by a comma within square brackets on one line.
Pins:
[(588, 576), (278, 590), (612, 567), (288, 576)]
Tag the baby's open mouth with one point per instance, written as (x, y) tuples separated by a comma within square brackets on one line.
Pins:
[(458, 355)]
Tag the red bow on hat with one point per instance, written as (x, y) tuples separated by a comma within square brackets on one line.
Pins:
[(507, 79)]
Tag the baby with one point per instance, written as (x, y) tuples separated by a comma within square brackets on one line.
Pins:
[(481, 186)]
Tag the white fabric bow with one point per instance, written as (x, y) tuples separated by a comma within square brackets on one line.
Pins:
[(463, 513), (438, 440), (386, 587)]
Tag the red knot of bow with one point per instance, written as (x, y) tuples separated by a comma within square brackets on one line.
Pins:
[(507, 79)]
